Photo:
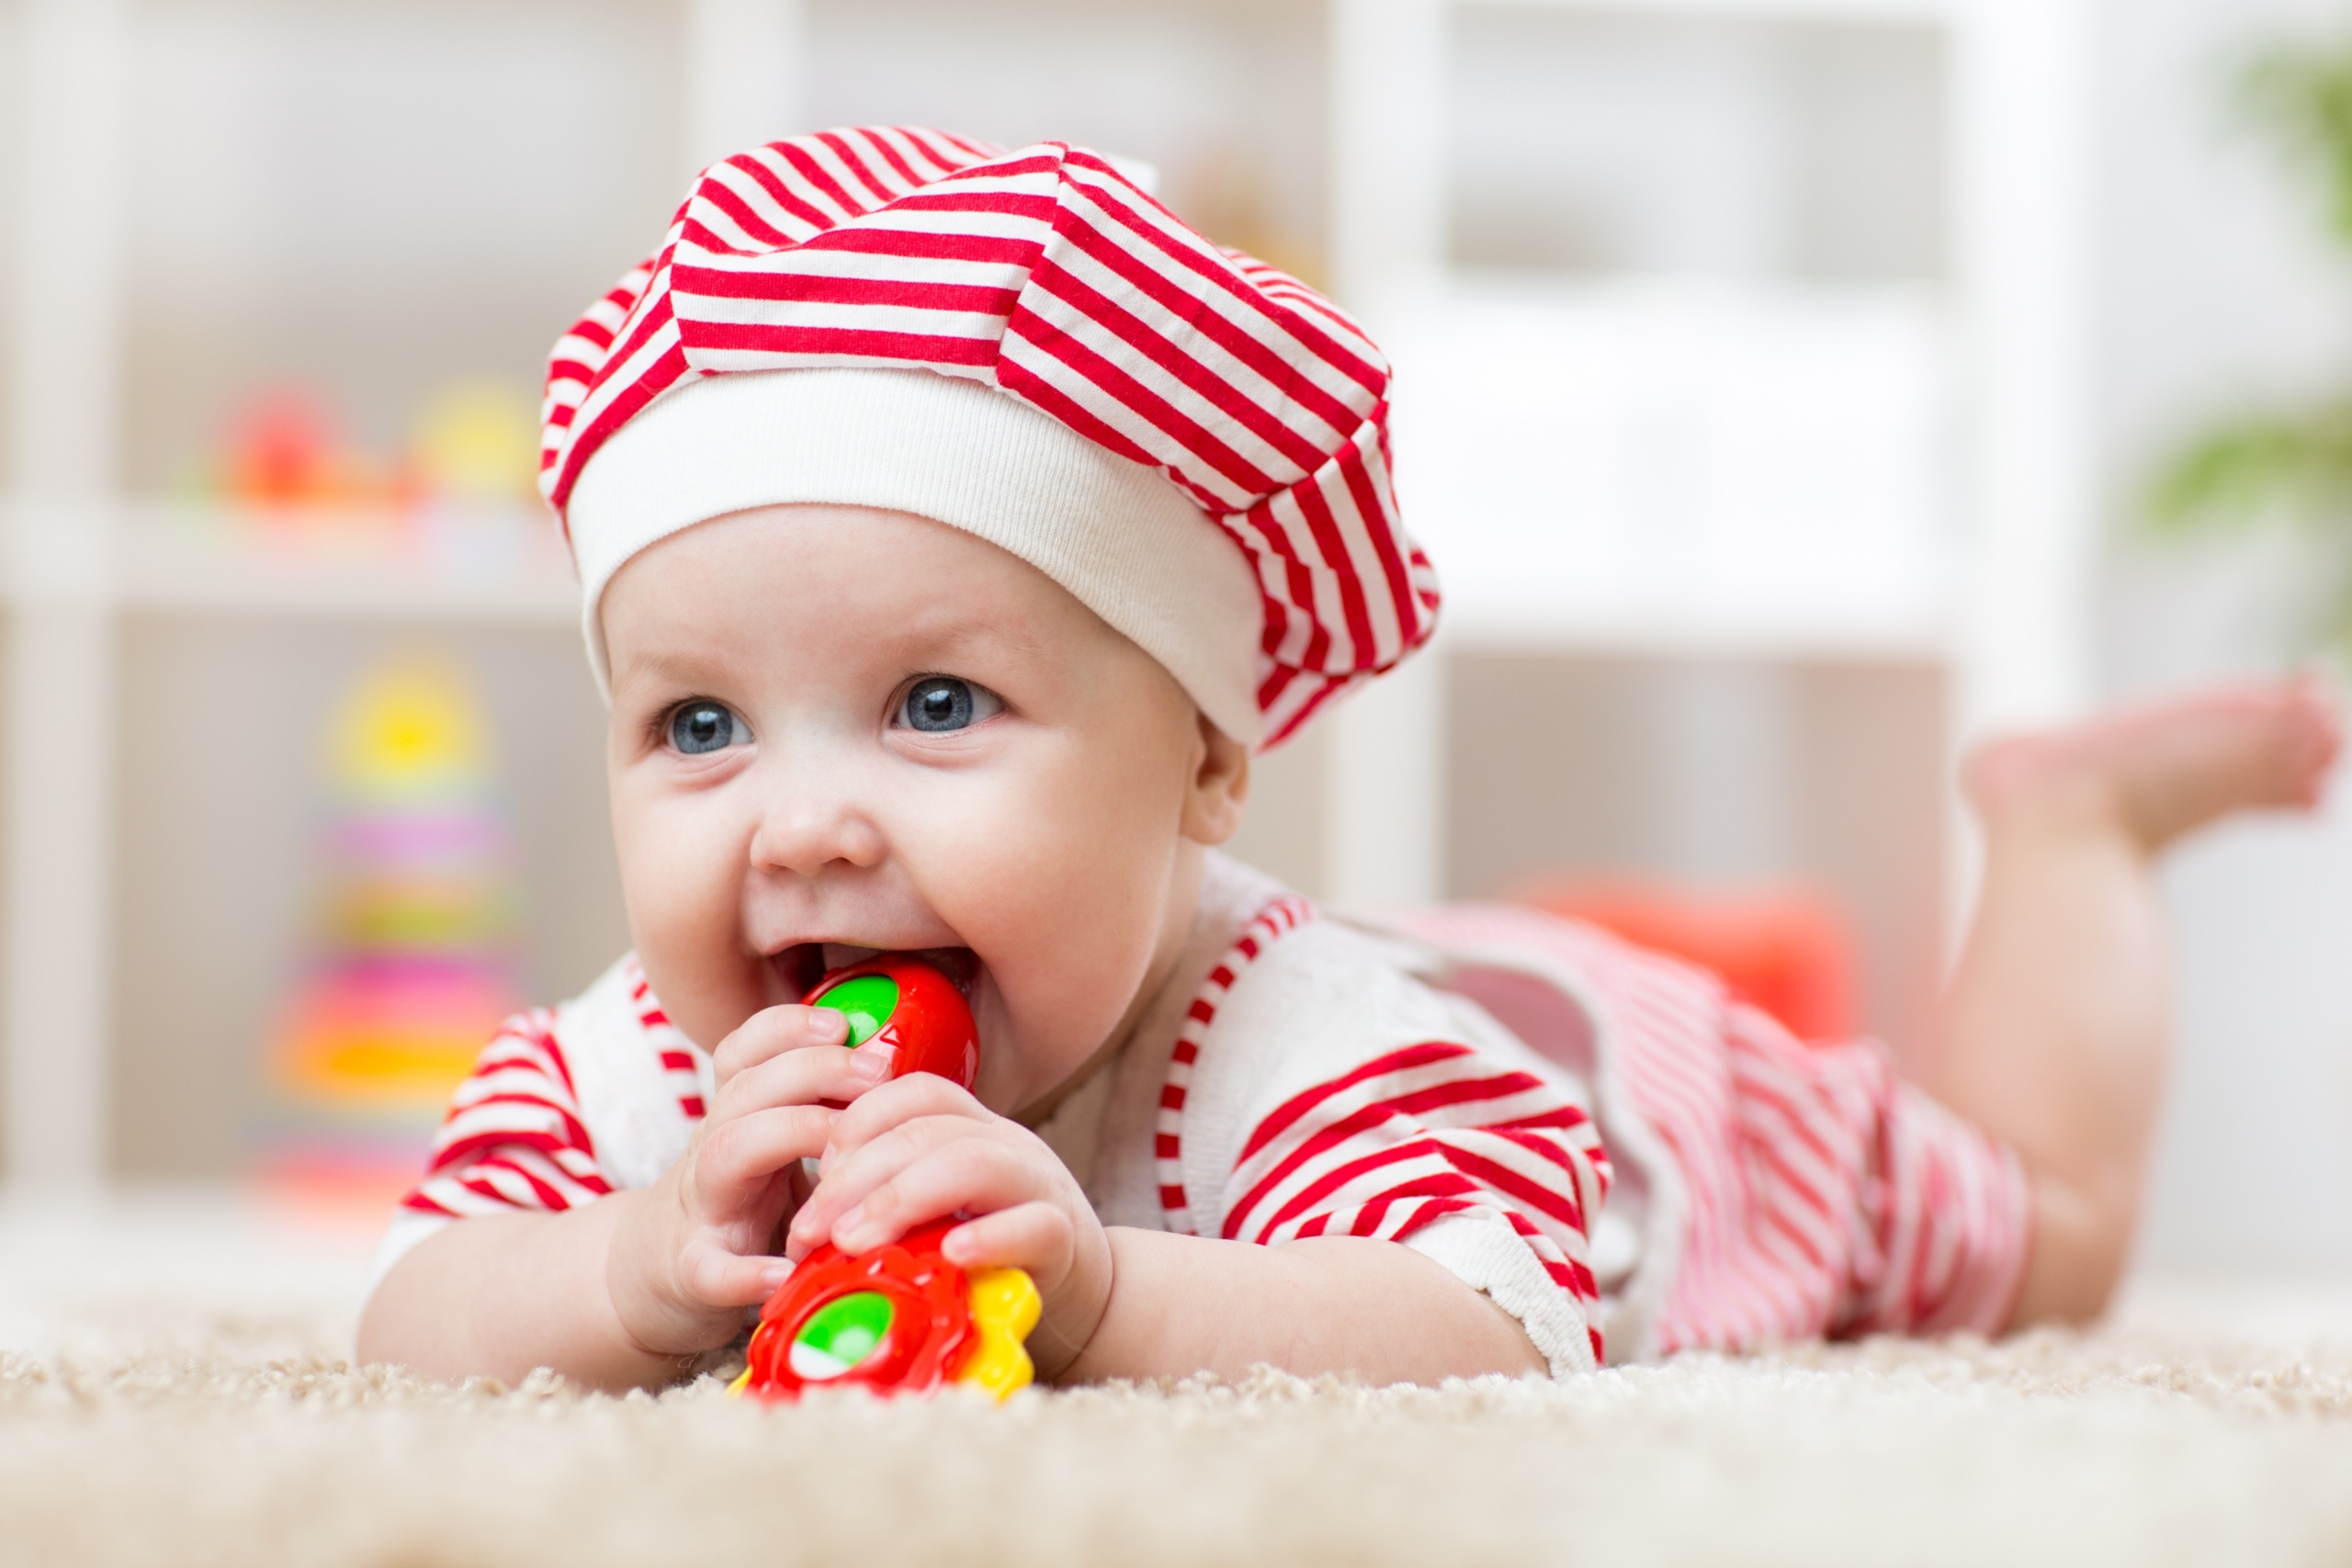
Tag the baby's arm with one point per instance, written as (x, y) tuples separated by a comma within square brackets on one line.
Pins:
[(629, 1290), (1181, 1303), (1127, 1303), (501, 1294)]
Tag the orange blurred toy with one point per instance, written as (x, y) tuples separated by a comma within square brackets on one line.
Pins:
[(285, 449), (1785, 950)]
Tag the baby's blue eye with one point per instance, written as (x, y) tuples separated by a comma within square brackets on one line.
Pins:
[(700, 727), (938, 703)]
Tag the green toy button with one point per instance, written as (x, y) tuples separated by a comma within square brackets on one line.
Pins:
[(867, 1001), (840, 1335)]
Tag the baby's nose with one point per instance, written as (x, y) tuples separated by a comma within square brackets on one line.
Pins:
[(804, 835)]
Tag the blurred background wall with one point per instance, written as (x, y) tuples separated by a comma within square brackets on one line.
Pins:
[(1694, 323), (2218, 291)]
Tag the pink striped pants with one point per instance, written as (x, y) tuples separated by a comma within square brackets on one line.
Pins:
[(1824, 1195)]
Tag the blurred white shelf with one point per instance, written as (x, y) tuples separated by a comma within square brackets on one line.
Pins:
[(435, 564), (1847, 11), (1659, 466), (1732, 623)]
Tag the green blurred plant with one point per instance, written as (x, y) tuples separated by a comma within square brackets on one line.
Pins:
[(2295, 467)]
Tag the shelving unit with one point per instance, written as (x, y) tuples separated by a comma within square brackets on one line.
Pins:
[(1823, 429), (1828, 426), (80, 555), (501, 565)]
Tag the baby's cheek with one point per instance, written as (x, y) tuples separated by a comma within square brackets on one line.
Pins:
[(684, 915), (1101, 922), (1045, 911)]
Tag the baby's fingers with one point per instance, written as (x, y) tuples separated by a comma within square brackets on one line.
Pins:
[(846, 1176), (979, 1174), (917, 1095), (771, 1031), (1036, 1235), (821, 1074), (741, 1162), (713, 1276)]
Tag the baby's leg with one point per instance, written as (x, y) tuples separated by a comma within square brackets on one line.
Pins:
[(2057, 1022)]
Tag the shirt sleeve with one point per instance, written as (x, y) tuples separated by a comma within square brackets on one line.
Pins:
[(514, 1138), (1439, 1134)]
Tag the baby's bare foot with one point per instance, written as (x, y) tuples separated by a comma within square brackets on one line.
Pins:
[(2170, 766)]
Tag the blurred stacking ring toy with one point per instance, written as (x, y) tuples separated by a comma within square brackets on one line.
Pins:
[(899, 1319)]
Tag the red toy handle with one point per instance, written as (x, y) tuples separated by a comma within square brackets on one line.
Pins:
[(901, 1319), (903, 1001)]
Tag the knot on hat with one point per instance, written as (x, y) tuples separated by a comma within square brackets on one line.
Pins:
[(1044, 274)]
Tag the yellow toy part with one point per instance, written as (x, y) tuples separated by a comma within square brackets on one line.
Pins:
[(1005, 1306)]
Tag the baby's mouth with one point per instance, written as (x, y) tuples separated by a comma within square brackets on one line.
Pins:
[(804, 965), (800, 966)]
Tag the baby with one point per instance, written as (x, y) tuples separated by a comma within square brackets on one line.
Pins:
[(954, 524)]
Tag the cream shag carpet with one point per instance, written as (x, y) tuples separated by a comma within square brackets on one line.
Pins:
[(2201, 1431), (217, 1446)]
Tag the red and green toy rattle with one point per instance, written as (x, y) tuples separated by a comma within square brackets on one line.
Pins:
[(899, 1319)]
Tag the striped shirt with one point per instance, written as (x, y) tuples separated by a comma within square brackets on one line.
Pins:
[(1460, 1091), (1316, 1088), (565, 1105)]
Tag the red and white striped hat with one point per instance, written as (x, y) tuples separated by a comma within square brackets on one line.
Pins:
[(1026, 345)]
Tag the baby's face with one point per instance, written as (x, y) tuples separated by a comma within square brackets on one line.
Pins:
[(836, 730)]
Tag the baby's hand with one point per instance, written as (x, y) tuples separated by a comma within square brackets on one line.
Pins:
[(698, 1245), (919, 1147)]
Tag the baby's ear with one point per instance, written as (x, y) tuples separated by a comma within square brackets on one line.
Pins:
[(1219, 788)]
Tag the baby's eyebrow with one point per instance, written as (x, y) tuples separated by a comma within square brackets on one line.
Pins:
[(661, 668), (960, 629), (956, 634)]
